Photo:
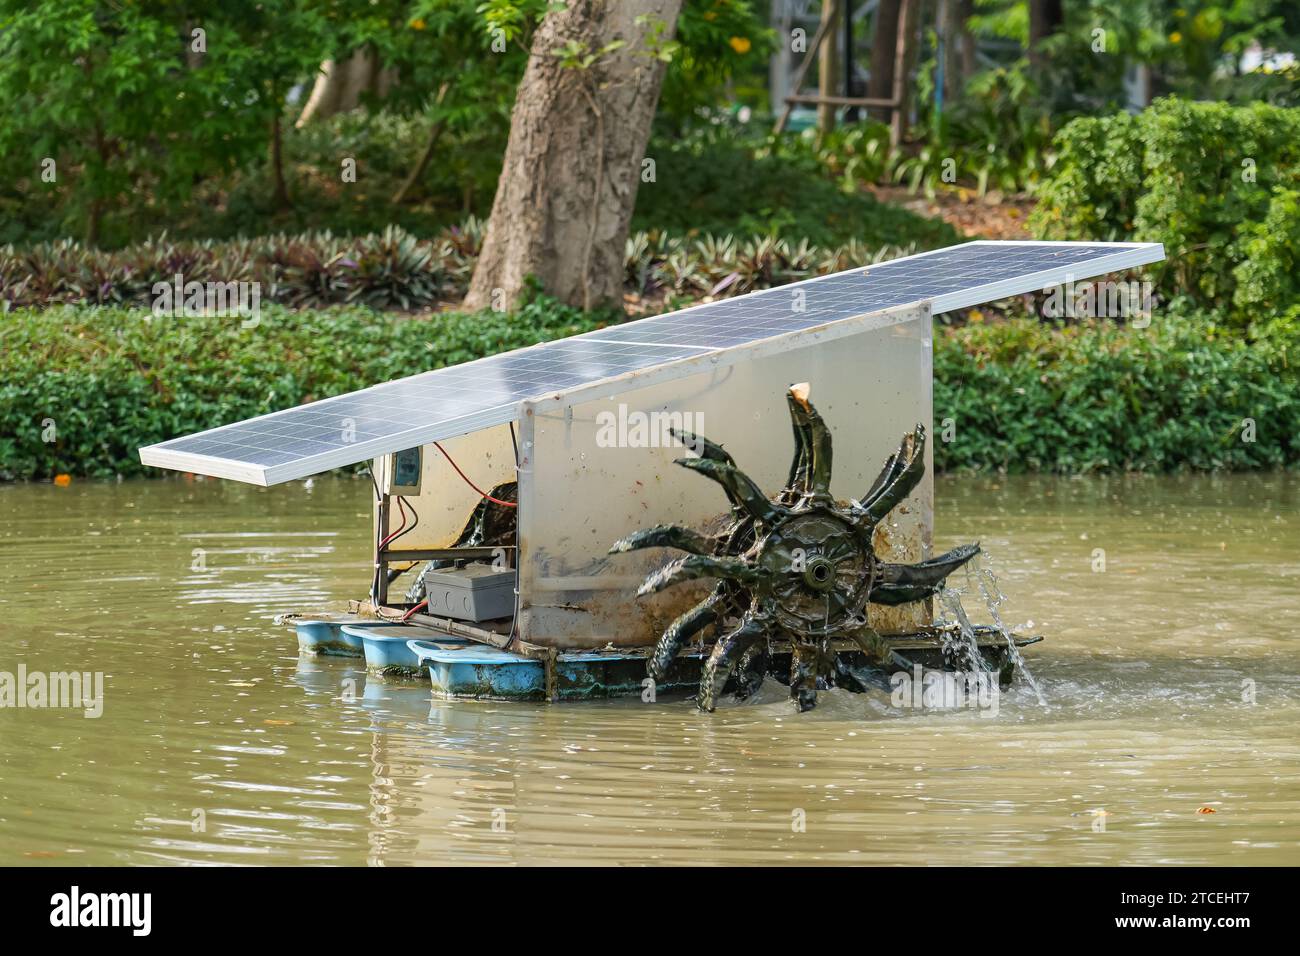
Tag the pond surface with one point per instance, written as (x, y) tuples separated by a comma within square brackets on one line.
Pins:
[(1171, 679)]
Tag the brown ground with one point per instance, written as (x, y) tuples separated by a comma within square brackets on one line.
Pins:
[(992, 216)]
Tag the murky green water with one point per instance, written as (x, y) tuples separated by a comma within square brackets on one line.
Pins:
[(217, 744)]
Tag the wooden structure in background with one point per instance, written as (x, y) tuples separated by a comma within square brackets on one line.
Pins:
[(896, 103)]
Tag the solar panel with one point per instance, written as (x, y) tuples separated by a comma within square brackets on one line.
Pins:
[(951, 278), (452, 401)]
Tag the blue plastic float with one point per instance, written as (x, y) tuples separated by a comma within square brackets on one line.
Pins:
[(328, 635)]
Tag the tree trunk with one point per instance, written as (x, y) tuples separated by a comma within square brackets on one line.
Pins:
[(1045, 16), (949, 23), (431, 143), (95, 216), (884, 40), (969, 63), (281, 196), (905, 52), (340, 85), (828, 65), (574, 160)]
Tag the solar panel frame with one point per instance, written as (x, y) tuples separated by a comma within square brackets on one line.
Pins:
[(291, 442)]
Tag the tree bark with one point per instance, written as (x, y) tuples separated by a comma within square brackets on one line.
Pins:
[(281, 196), (969, 63), (948, 16), (574, 158), (828, 65), (95, 216), (884, 41), (1045, 16), (906, 46)]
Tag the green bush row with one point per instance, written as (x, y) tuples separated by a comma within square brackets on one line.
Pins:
[(81, 389), (704, 180), (110, 380), (1183, 393), (1215, 183)]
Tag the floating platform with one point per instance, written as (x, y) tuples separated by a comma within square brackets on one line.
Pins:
[(460, 668), (457, 667), (476, 671), (324, 633), (387, 648)]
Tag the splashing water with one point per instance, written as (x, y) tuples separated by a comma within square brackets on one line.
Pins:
[(994, 599), (964, 643)]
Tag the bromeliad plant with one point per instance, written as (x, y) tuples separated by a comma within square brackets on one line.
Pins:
[(395, 270), (800, 567)]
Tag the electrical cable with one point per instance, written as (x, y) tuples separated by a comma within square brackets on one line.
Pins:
[(380, 544), (496, 501), (402, 505), (401, 528)]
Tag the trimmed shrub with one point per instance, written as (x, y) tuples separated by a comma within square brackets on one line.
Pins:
[(1198, 177), (1093, 188), (1027, 396), (721, 186), (1268, 279)]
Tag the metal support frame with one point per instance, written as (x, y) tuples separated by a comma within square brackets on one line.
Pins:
[(381, 565), (396, 556), (387, 556)]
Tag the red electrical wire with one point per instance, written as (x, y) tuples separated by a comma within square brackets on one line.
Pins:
[(401, 529), (488, 497), (424, 603)]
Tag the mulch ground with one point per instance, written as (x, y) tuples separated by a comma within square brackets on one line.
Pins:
[(991, 216)]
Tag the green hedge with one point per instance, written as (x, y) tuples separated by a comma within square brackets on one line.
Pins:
[(1268, 278), (1027, 396), (1022, 395), (114, 379), (1199, 177)]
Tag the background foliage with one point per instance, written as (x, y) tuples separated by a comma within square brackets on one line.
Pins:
[(1214, 182), (1023, 395), (167, 157), (396, 270)]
